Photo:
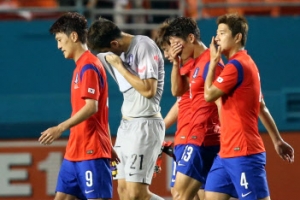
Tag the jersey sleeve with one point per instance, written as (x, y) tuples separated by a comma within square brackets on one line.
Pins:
[(91, 81), (148, 61), (218, 70), (227, 79)]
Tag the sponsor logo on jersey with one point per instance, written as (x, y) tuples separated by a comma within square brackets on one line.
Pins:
[(142, 69)]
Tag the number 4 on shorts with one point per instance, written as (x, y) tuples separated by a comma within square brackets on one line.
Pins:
[(243, 181)]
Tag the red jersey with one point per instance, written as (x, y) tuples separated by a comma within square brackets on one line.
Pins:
[(89, 139), (204, 123), (240, 107), (184, 113)]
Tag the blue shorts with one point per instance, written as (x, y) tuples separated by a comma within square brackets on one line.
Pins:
[(179, 149), (240, 177), (89, 179), (196, 161)]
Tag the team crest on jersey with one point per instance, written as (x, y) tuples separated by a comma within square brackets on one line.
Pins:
[(76, 79), (129, 59), (196, 72), (76, 82)]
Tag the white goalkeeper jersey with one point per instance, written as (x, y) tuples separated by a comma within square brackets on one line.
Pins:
[(143, 59)]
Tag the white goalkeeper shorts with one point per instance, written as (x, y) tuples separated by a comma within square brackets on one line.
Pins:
[(138, 144)]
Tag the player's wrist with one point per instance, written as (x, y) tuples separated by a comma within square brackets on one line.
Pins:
[(62, 127)]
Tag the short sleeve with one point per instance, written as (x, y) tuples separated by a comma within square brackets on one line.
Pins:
[(227, 80), (149, 59), (218, 71), (91, 81)]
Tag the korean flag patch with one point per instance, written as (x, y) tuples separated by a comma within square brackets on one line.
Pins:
[(91, 90), (220, 79)]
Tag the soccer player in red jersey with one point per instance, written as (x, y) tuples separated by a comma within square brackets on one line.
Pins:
[(180, 111), (85, 171), (202, 139), (239, 169)]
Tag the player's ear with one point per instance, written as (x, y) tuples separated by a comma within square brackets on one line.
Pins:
[(74, 36), (191, 38), (238, 37), (114, 44)]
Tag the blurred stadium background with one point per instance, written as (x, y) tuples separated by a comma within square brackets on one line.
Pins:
[(35, 81)]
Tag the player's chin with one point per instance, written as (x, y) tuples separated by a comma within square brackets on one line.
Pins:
[(67, 56), (222, 50)]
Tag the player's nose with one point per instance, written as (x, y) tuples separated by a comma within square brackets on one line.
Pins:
[(58, 46)]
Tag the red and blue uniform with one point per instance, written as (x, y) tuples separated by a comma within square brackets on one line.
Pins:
[(239, 169), (184, 111), (204, 123), (240, 107), (89, 139), (85, 171), (183, 120), (203, 142)]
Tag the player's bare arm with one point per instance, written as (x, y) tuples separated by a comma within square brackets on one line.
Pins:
[(51, 134), (146, 87), (211, 92), (284, 150), (179, 83)]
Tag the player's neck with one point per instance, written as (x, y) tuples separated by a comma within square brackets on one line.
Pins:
[(79, 51), (199, 49), (126, 41), (233, 51)]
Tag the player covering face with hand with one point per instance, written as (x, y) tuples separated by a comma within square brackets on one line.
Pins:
[(137, 65), (239, 169)]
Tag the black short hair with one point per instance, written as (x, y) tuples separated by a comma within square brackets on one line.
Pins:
[(237, 24), (183, 26), (71, 22), (101, 33)]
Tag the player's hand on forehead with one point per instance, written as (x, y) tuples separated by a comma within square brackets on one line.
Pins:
[(175, 49)]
